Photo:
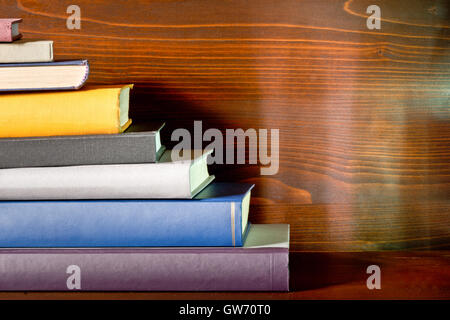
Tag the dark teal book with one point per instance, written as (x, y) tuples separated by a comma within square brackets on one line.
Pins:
[(138, 144), (217, 216)]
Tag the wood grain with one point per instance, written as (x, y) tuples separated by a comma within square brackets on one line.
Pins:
[(363, 115)]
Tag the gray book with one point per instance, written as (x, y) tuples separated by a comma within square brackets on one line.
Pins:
[(139, 144)]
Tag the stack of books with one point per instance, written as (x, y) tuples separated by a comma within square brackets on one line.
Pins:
[(90, 201)]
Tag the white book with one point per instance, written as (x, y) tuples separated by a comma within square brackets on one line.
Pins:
[(25, 51), (166, 179)]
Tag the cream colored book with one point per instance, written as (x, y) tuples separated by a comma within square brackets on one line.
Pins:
[(167, 179), (24, 51)]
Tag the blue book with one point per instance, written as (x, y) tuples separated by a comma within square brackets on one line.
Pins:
[(217, 216)]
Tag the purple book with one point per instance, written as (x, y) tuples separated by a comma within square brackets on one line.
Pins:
[(260, 265)]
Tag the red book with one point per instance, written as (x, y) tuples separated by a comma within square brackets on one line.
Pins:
[(9, 30)]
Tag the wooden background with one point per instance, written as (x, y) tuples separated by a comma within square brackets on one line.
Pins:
[(363, 115)]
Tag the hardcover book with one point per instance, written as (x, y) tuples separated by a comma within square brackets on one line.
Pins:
[(217, 216), (26, 51), (100, 110), (139, 144), (62, 75), (261, 265), (9, 30), (179, 179)]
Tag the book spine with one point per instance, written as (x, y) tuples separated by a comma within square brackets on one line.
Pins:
[(112, 181), (23, 53), (78, 150), (145, 270), (83, 112), (120, 223)]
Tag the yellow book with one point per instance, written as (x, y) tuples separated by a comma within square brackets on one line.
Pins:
[(98, 110)]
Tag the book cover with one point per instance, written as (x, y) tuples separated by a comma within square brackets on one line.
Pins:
[(136, 145), (217, 216), (101, 110), (26, 51), (9, 30), (261, 265), (43, 76), (166, 179)]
